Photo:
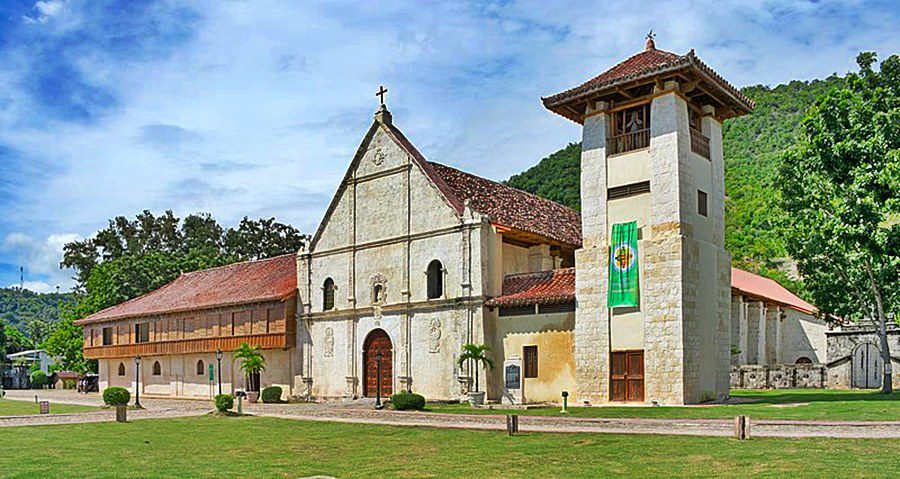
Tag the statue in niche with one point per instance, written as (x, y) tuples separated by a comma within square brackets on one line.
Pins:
[(635, 122), (434, 336), (329, 342)]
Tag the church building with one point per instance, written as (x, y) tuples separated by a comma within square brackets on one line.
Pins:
[(630, 299)]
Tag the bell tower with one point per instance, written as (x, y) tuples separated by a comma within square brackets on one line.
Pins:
[(652, 154)]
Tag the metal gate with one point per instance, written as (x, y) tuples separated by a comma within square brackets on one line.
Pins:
[(867, 367)]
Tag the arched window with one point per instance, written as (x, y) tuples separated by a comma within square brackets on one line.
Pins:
[(121, 369), (200, 368), (435, 279), (328, 295), (804, 360), (157, 369)]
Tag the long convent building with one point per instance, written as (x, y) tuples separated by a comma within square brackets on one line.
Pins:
[(413, 260)]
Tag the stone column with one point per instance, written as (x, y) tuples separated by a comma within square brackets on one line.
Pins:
[(539, 258), (755, 311), (592, 315), (761, 338), (739, 329), (773, 313)]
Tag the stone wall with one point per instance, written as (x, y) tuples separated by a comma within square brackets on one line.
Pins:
[(778, 376), (841, 344)]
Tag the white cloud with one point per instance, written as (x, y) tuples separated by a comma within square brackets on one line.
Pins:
[(45, 11), (38, 287), (40, 257)]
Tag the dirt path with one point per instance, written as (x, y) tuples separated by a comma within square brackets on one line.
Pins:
[(363, 414)]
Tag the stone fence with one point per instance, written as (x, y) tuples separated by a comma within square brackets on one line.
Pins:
[(778, 376)]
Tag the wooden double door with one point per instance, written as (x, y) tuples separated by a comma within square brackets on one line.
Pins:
[(867, 367), (627, 376), (378, 342)]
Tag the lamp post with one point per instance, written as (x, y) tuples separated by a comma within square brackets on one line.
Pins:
[(137, 381), (378, 358), (219, 373)]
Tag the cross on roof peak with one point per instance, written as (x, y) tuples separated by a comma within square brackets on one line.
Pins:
[(381, 92), (651, 45)]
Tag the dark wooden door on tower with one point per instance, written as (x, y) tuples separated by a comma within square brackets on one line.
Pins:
[(627, 376), (376, 342)]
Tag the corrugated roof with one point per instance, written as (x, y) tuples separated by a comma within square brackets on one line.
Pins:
[(767, 289), (238, 283)]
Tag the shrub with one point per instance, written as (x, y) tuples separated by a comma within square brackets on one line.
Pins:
[(271, 394), (224, 402), (39, 379), (116, 396), (406, 400), (2, 393)]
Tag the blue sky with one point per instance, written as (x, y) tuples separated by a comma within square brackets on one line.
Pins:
[(255, 107)]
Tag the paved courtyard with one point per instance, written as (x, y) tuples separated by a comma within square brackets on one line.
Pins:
[(362, 413)]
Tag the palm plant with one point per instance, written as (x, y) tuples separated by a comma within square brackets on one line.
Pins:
[(478, 354), (253, 363)]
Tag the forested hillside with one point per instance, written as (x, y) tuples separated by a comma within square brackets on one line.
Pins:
[(753, 147), (18, 307)]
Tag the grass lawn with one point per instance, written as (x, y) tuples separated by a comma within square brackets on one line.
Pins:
[(258, 447), (27, 408), (809, 404)]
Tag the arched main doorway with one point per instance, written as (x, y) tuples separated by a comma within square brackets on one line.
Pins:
[(866, 366), (376, 342)]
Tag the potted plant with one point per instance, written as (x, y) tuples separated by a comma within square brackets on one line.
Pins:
[(253, 363), (478, 354), (118, 398)]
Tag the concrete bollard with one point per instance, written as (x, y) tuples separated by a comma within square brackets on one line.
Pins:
[(121, 412), (742, 428), (512, 424)]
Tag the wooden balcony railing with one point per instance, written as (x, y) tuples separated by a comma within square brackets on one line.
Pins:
[(197, 345), (699, 144), (634, 140)]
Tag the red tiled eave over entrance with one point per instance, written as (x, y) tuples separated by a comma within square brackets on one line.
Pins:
[(753, 285), (512, 208), (558, 286), (544, 287), (643, 67), (239, 283)]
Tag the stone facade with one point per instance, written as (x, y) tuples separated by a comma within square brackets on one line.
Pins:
[(685, 270)]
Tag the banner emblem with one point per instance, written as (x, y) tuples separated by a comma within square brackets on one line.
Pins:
[(623, 266)]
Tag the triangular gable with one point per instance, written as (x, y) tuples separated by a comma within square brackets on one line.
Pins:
[(416, 157)]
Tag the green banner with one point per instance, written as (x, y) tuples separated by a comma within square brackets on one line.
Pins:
[(623, 265)]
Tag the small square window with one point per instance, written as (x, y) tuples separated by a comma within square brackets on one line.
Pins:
[(702, 203), (142, 333), (530, 360)]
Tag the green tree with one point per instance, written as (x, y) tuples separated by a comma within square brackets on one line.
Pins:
[(841, 186), (476, 353), (64, 345), (15, 340), (252, 363)]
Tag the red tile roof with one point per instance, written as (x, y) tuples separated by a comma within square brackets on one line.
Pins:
[(513, 208), (645, 64), (558, 286), (240, 283), (767, 289), (636, 65), (545, 287)]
